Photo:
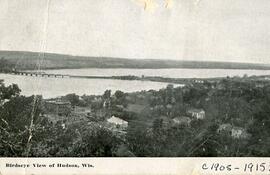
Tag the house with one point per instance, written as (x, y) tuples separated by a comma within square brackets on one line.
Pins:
[(63, 125), (117, 123), (224, 128), (198, 81), (97, 100), (259, 85), (169, 106), (58, 107), (196, 113), (184, 121), (233, 131), (238, 133)]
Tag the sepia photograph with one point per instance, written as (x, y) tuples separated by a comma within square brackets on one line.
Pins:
[(134, 78)]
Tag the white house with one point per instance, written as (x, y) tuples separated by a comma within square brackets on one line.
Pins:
[(196, 113), (238, 133), (117, 123)]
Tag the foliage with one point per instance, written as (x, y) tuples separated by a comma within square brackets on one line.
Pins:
[(74, 100), (238, 102)]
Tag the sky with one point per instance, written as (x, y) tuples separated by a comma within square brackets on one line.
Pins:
[(214, 30)]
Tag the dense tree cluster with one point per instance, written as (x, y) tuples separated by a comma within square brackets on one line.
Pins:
[(25, 131), (237, 102)]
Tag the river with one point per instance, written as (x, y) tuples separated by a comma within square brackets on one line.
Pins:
[(53, 87)]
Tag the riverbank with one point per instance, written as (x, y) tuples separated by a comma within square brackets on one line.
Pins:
[(177, 80)]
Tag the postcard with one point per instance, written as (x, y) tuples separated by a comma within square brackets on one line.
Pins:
[(134, 87)]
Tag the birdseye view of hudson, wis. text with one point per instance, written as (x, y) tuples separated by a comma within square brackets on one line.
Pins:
[(135, 78)]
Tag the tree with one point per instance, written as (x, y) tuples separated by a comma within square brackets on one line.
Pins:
[(139, 141), (16, 117), (100, 143), (169, 94), (107, 94), (119, 94), (259, 142), (8, 92), (120, 98), (73, 99)]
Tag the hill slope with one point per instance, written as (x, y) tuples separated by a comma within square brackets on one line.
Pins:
[(30, 60)]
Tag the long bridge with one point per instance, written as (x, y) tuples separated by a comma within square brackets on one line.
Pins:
[(39, 74)]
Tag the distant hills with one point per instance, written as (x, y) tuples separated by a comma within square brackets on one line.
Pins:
[(32, 60)]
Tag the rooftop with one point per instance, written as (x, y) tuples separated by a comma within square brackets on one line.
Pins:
[(195, 110), (58, 102), (117, 120)]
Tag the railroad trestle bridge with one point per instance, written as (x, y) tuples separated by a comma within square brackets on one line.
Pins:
[(39, 74)]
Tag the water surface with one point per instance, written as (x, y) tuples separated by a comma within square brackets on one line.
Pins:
[(53, 87)]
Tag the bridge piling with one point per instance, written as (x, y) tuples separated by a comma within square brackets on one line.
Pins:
[(41, 74)]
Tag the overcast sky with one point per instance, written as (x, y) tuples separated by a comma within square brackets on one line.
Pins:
[(217, 30)]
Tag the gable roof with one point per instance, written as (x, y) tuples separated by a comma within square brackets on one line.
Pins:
[(182, 119), (116, 120), (193, 110)]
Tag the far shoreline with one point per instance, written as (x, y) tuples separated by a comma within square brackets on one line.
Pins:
[(141, 68)]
